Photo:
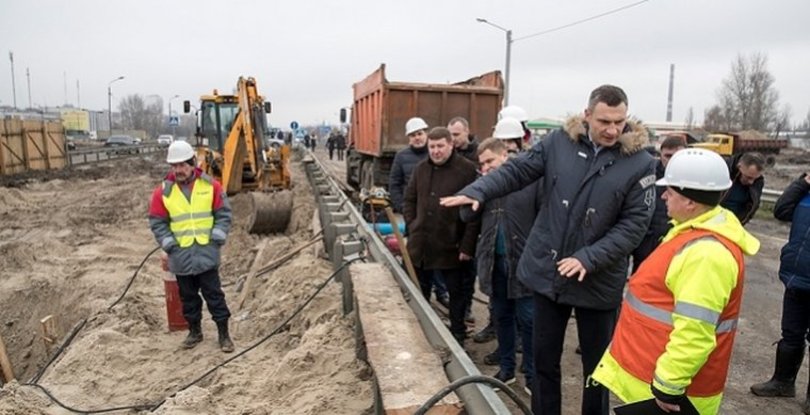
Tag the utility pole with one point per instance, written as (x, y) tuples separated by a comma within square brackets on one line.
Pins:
[(28, 75), (78, 96), (64, 81), (13, 83)]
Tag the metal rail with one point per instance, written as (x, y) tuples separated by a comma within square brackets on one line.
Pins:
[(770, 196), (97, 154), (346, 233)]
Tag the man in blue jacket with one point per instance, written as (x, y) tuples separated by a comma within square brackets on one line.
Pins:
[(598, 199), (794, 271)]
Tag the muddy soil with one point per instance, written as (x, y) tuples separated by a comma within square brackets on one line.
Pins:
[(70, 242)]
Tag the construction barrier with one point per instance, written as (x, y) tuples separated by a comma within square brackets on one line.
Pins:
[(27, 145)]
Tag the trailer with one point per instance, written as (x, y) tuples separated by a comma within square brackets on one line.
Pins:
[(381, 109)]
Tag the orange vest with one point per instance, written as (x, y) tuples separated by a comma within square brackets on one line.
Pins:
[(645, 322)]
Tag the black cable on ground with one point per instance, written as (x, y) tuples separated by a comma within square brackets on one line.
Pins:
[(495, 383), (275, 331), (131, 280), (92, 411)]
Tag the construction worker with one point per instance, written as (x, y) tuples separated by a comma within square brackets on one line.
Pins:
[(190, 217), (406, 159), (598, 200), (678, 320), (747, 183), (518, 113), (793, 206), (505, 226)]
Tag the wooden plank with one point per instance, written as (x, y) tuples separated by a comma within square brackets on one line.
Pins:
[(5, 363), (407, 369), (246, 288)]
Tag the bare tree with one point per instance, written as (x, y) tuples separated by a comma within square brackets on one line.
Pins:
[(747, 97), (136, 114), (714, 119), (782, 122), (690, 119)]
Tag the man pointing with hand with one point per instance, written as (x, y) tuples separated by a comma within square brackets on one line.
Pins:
[(598, 201)]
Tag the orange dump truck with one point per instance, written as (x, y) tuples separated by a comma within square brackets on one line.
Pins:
[(381, 108)]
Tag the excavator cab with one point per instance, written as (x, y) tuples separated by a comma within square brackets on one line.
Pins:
[(231, 148)]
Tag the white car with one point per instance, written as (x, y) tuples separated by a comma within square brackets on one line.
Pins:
[(164, 140)]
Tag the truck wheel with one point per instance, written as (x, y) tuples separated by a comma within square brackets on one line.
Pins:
[(770, 161)]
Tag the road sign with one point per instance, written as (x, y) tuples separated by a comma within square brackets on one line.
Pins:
[(174, 120), (294, 125), (300, 133)]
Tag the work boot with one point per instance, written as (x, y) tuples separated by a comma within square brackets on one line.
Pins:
[(194, 337), (783, 381), (806, 405), (225, 342), (487, 334)]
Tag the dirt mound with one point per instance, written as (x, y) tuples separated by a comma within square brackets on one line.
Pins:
[(69, 244)]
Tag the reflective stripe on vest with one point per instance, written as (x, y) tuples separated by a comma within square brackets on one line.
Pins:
[(190, 220), (645, 322)]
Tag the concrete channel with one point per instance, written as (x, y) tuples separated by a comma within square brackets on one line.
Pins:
[(345, 235)]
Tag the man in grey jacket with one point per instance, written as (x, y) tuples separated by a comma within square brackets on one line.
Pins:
[(190, 217), (598, 199)]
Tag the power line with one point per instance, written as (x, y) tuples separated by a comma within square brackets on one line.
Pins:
[(588, 19)]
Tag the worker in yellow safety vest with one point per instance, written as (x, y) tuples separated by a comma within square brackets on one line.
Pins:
[(678, 320)]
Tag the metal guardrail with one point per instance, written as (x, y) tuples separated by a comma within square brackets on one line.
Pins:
[(97, 154), (340, 217)]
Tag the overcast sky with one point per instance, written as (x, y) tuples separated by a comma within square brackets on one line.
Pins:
[(306, 54)]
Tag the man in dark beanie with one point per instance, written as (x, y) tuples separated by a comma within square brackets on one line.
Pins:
[(679, 317)]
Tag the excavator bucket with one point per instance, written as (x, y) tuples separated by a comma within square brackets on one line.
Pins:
[(270, 212)]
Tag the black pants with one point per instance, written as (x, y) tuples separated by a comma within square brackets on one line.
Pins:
[(795, 318), (340, 154), (595, 328), (207, 282), (331, 153), (460, 287)]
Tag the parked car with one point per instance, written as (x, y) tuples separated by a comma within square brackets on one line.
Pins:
[(123, 144), (164, 140)]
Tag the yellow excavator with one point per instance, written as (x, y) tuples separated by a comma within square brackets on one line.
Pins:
[(232, 147)]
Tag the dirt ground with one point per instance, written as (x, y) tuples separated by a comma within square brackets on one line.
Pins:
[(69, 243), (759, 325)]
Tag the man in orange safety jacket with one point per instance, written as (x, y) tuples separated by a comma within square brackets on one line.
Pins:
[(678, 320)]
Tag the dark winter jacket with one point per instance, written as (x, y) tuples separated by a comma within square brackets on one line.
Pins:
[(515, 213), (596, 208), (659, 226), (754, 192), (794, 206), (471, 151), (340, 142), (436, 234), (404, 162)]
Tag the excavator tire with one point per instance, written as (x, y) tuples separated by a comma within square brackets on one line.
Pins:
[(270, 212)]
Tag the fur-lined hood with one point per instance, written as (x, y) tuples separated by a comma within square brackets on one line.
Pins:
[(633, 140)]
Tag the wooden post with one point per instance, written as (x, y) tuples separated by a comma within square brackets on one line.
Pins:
[(48, 326), (406, 258), (5, 363)]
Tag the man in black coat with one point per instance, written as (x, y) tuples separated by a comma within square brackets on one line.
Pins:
[(406, 159), (599, 196), (746, 185), (660, 220), (437, 238), (465, 143)]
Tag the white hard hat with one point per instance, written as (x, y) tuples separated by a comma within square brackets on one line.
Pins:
[(696, 169), (179, 151), (513, 111), (508, 129), (415, 124)]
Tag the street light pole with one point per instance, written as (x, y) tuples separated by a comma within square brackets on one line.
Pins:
[(170, 115), (109, 101), (508, 57)]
